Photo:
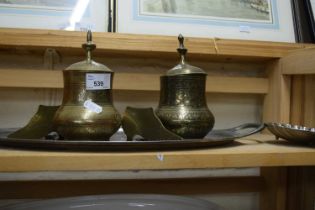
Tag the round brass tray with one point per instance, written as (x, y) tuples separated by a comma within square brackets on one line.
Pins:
[(214, 138), (111, 145)]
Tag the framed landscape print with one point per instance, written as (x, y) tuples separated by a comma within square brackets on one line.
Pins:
[(49, 14), (269, 20)]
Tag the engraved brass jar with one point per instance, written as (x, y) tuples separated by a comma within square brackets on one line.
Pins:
[(87, 111), (183, 107)]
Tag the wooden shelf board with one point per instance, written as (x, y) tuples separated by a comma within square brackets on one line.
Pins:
[(21, 78), (254, 151), (148, 45), (299, 62)]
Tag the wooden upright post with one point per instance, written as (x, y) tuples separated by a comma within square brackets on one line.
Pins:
[(276, 109)]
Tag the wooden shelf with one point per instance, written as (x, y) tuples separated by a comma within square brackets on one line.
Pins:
[(256, 150), (278, 60), (23, 78), (146, 45), (295, 63)]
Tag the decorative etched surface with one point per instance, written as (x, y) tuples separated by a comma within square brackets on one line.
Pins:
[(183, 108), (186, 90)]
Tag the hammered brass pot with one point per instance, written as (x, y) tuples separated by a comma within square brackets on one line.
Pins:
[(183, 108), (87, 111)]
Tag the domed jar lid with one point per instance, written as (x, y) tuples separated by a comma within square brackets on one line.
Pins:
[(183, 68), (88, 64)]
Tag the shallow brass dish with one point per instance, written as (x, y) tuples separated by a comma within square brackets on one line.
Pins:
[(39, 125), (293, 133), (144, 123)]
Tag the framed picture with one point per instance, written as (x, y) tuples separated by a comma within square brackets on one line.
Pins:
[(311, 8), (303, 21), (269, 20), (61, 14), (310, 5)]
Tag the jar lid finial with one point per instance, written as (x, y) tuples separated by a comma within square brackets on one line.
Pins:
[(182, 50), (89, 45)]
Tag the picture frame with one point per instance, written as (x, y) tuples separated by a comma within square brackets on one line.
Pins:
[(73, 15), (310, 8), (302, 18), (149, 17)]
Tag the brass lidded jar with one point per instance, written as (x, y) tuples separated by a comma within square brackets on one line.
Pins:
[(183, 107), (87, 111)]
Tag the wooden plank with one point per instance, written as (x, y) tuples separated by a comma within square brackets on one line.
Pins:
[(31, 79), (309, 103), (264, 49), (274, 194), (301, 182), (303, 100), (237, 85), (299, 62), (301, 188), (295, 189), (144, 44), (256, 150), (276, 109), (297, 100), (51, 189), (21, 78), (214, 83), (276, 106)]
